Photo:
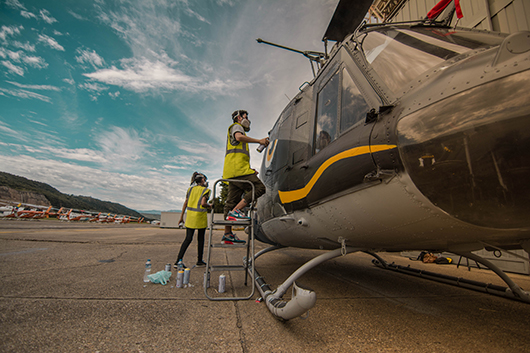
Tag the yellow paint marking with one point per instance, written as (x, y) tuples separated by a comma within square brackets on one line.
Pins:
[(294, 195)]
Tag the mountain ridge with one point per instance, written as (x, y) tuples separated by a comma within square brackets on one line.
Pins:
[(58, 199)]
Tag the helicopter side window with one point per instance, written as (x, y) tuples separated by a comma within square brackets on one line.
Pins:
[(327, 114), (354, 106)]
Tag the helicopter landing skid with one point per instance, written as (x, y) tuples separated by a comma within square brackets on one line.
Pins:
[(513, 291)]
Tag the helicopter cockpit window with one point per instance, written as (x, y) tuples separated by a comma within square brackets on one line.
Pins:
[(327, 114), (395, 62), (400, 55), (353, 105)]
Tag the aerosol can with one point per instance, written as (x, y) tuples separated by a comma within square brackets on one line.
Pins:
[(222, 282), (186, 279), (180, 277)]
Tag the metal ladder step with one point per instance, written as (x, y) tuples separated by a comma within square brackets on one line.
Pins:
[(228, 268), (233, 246), (231, 223)]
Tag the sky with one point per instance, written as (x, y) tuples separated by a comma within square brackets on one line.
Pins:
[(123, 100)]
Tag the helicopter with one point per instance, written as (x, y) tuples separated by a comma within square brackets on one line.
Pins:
[(410, 136)]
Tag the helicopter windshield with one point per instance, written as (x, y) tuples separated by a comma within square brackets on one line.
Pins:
[(399, 55)]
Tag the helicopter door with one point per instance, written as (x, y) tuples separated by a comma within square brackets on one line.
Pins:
[(340, 131)]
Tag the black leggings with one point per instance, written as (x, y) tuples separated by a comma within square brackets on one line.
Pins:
[(187, 242)]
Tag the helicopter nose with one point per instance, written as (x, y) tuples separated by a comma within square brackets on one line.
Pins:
[(470, 154)]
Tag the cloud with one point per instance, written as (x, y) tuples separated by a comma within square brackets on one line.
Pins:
[(79, 154), (227, 2), (13, 68), (37, 122), (50, 42), (93, 87), (27, 14), (46, 16), (15, 4), (148, 191), (21, 93), (76, 15), (6, 31), (141, 75), (121, 147), (35, 61), (38, 87), (20, 57), (87, 57), (25, 46), (6, 130)]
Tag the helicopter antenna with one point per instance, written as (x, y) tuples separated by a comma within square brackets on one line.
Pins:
[(315, 57)]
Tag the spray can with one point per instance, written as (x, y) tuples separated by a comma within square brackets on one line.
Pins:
[(206, 281), (186, 278), (180, 276), (168, 267), (222, 282), (260, 148)]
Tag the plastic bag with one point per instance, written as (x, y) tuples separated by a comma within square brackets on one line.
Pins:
[(161, 277)]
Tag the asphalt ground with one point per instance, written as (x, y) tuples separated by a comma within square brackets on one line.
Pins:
[(74, 287)]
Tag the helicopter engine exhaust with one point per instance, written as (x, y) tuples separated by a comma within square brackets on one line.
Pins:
[(303, 299)]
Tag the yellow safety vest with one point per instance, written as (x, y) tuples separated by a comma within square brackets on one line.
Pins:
[(237, 158), (197, 216)]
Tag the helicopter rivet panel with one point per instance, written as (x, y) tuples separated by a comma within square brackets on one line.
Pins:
[(469, 158)]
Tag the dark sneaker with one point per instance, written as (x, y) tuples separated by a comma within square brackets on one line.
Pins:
[(231, 238), (237, 215), (201, 263), (179, 265)]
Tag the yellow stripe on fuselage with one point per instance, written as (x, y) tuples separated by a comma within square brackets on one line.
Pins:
[(295, 195)]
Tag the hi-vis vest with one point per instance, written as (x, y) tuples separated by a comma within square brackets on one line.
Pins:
[(237, 158), (197, 216)]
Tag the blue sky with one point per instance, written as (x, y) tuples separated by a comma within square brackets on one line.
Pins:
[(124, 100)]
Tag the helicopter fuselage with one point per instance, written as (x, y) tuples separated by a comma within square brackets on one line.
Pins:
[(409, 138)]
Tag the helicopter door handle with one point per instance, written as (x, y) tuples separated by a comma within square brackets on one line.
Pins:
[(305, 166), (268, 172)]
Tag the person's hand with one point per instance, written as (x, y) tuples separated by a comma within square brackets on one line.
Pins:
[(264, 141)]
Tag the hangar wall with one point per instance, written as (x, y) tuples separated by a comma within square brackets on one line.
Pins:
[(506, 16)]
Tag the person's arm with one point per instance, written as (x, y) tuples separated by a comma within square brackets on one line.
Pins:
[(243, 138), (183, 210), (204, 202)]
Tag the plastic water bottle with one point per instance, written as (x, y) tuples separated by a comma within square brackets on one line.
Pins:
[(147, 270)]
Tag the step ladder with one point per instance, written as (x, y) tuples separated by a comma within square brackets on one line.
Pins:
[(248, 263)]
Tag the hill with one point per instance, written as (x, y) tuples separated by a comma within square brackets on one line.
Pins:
[(58, 199)]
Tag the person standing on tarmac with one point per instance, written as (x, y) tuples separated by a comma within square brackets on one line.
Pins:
[(237, 166), (197, 206)]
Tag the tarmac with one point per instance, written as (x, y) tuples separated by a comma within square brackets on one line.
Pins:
[(76, 287)]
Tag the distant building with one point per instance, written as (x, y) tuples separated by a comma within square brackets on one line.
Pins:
[(501, 16)]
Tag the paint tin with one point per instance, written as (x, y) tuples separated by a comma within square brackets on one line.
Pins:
[(206, 281), (168, 267), (186, 278), (222, 282), (180, 276)]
